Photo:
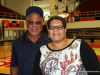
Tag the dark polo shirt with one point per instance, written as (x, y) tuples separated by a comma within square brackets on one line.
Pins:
[(24, 52)]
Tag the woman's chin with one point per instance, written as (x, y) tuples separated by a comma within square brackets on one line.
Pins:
[(56, 41)]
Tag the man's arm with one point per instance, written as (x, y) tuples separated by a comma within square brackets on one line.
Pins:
[(14, 70)]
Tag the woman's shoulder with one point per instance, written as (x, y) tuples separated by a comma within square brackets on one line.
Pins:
[(49, 43), (74, 40), (43, 46), (70, 40)]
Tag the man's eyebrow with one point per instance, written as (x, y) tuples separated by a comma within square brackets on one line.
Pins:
[(32, 20), (29, 20), (57, 25)]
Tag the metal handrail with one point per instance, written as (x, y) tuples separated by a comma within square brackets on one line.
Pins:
[(11, 15), (86, 14)]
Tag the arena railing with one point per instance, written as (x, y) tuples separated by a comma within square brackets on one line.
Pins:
[(85, 14), (11, 15), (91, 14)]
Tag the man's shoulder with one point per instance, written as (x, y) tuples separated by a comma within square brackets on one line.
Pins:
[(19, 38), (45, 39)]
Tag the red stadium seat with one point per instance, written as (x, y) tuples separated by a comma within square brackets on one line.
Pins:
[(98, 58)]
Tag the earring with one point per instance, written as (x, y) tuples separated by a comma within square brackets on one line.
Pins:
[(65, 35)]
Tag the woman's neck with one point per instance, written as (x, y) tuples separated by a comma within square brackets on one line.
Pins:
[(59, 45)]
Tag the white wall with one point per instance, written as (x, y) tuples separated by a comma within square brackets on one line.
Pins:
[(9, 4), (44, 5), (19, 6), (61, 7), (52, 4), (83, 24)]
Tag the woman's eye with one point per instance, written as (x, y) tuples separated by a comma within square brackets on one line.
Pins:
[(51, 27)]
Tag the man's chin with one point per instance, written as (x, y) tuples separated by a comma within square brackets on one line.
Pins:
[(34, 34)]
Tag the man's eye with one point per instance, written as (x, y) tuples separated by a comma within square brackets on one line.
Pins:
[(38, 22), (30, 22)]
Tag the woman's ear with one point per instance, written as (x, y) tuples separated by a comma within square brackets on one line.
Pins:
[(65, 29)]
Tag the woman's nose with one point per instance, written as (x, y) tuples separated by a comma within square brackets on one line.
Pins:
[(55, 28)]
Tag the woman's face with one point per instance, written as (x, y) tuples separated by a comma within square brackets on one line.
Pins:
[(56, 31)]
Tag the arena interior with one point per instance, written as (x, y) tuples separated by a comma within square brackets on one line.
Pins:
[(82, 17)]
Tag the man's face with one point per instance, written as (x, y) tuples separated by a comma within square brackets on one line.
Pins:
[(34, 24)]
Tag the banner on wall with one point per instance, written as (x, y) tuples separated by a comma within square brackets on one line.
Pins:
[(12, 24), (71, 19), (87, 19)]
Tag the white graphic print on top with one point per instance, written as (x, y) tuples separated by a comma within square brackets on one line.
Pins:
[(66, 61)]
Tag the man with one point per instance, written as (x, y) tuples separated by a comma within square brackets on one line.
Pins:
[(25, 47)]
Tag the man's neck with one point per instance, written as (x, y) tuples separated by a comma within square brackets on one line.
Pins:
[(33, 38)]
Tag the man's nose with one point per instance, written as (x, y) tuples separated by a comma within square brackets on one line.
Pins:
[(34, 24)]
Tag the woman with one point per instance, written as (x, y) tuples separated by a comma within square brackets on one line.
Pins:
[(65, 56)]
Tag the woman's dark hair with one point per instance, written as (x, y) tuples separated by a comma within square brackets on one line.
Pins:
[(58, 18)]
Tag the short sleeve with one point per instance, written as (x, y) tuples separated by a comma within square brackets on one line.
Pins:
[(36, 67), (89, 59), (14, 58)]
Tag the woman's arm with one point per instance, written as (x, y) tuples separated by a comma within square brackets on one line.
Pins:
[(36, 67), (89, 59)]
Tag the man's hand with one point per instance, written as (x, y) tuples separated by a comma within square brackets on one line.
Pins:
[(14, 70)]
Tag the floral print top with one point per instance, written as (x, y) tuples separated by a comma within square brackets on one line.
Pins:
[(66, 61)]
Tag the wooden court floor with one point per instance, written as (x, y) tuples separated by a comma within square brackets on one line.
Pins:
[(5, 57)]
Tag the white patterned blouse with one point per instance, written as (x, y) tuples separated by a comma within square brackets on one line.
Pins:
[(66, 61)]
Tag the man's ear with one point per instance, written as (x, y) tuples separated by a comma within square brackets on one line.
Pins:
[(26, 23), (42, 23)]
